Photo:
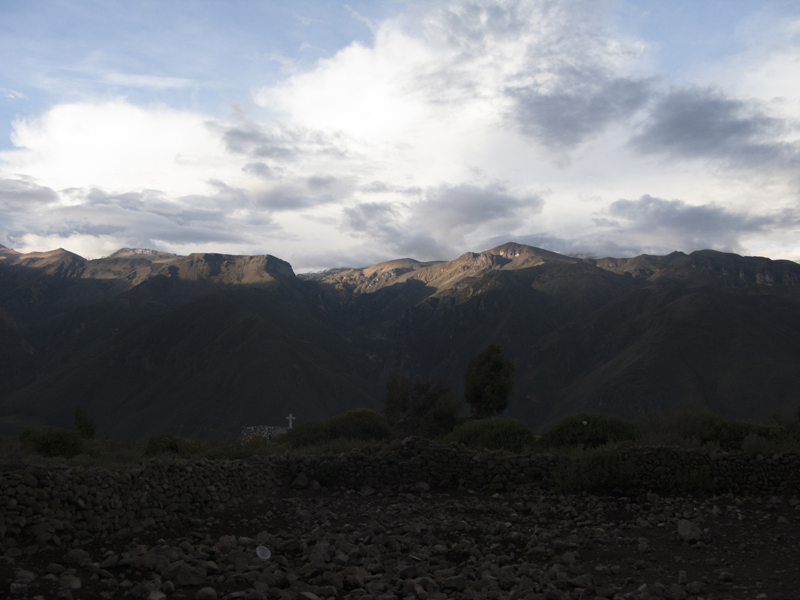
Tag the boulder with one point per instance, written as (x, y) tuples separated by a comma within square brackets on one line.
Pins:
[(689, 532)]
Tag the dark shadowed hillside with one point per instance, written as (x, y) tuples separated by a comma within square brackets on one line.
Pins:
[(202, 345)]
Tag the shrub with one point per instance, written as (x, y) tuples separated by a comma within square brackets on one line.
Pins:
[(598, 471), (424, 408), (441, 418), (704, 429), (494, 434), (360, 424), (168, 444), (587, 430), (488, 382), (84, 425), (52, 441)]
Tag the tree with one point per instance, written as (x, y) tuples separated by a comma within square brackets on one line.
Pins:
[(488, 382), (398, 394), (424, 407), (83, 424)]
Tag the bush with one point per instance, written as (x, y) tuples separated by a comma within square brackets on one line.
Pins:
[(424, 408), (84, 425), (587, 430), (494, 434), (598, 471), (168, 444), (52, 441), (441, 418), (488, 382), (704, 429), (360, 424)]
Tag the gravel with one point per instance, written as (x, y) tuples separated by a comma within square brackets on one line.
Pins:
[(191, 530)]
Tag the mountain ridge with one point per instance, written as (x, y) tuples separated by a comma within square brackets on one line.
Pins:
[(165, 345)]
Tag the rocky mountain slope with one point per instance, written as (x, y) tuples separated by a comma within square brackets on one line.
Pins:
[(205, 344)]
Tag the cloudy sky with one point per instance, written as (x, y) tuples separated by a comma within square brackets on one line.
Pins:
[(333, 134)]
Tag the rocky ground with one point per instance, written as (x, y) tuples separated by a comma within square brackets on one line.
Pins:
[(368, 544)]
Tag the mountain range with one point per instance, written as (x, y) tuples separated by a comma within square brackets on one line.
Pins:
[(205, 344)]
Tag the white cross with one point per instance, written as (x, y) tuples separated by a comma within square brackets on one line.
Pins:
[(290, 418)]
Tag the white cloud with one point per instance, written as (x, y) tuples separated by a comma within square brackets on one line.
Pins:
[(146, 81), (88, 246), (119, 147), (13, 94)]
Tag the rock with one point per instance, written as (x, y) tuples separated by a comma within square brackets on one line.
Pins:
[(689, 532), (110, 561), (25, 577), (695, 587), (674, 592), (458, 583), (156, 595), (69, 582), (183, 574), (226, 543), (263, 537), (301, 481), (77, 556), (206, 593)]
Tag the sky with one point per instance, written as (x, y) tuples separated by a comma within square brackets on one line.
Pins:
[(344, 134)]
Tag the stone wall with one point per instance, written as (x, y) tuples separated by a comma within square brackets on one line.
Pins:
[(45, 505), (266, 432), (663, 469)]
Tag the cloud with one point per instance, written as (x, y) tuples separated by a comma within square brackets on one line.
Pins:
[(437, 226), (304, 193), (581, 245), (150, 219), (381, 222), (23, 193), (678, 225), (154, 82), (704, 123), (260, 170), (116, 145), (278, 142), (561, 68), (584, 105), (552, 70), (652, 225), (359, 17), (453, 211), (12, 94)]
